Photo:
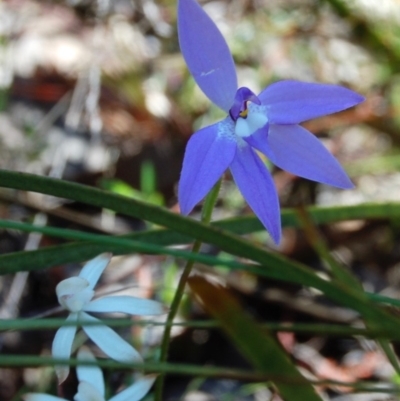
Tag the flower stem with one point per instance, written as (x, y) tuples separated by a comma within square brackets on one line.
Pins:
[(206, 214)]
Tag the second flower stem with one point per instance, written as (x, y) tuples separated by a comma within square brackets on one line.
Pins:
[(206, 214)]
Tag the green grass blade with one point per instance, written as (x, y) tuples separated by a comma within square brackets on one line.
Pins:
[(36, 323), (336, 270), (109, 243), (256, 344), (180, 369), (274, 266), (318, 214), (77, 252), (298, 273)]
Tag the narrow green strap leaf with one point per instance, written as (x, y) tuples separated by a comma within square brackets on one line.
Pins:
[(60, 254), (75, 252), (383, 299), (337, 271), (288, 271), (315, 329), (78, 252), (148, 367), (129, 207), (163, 217), (256, 344), (318, 214), (181, 369), (275, 266), (109, 243)]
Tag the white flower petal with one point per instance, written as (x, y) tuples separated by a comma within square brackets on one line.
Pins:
[(86, 392), (94, 268), (71, 286), (126, 304), (137, 391), (73, 293), (62, 346), (41, 397), (91, 374), (109, 341)]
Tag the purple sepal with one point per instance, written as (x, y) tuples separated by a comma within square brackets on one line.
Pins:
[(291, 102), (206, 54), (294, 149), (208, 154), (258, 188)]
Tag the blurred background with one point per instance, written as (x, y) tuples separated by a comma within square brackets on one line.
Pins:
[(98, 93)]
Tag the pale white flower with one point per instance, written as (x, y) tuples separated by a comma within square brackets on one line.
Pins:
[(75, 294), (92, 388)]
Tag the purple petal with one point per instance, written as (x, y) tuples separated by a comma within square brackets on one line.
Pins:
[(206, 54), (291, 102), (294, 149), (258, 188), (208, 154), (259, 140)]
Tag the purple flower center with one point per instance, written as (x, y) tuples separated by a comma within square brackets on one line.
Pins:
[(239, 108)]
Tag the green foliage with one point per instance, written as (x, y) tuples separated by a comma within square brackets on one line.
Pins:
[(148, 191), (258, 346), (340, 287)]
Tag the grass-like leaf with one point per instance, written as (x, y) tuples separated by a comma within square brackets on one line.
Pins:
[(258, 345), (273, 265), (180, 369), (110, 243)]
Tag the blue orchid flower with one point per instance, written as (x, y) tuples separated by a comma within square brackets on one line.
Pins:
[(268, 122)]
